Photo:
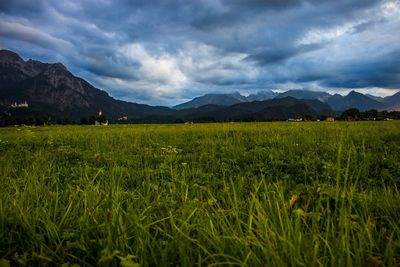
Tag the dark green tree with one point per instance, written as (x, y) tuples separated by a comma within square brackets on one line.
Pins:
[(351, 114), (102, 118), (84, 121), (92, 120)]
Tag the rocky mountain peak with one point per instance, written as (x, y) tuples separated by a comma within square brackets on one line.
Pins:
[(8, 56), (58, 75), (354, 93), (57, 69)]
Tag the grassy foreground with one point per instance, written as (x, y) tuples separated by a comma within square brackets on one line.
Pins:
[(256, 194)]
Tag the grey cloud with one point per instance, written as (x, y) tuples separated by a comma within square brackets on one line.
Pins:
[(108, 67), (87, 36), (15, 30), (365, 26)]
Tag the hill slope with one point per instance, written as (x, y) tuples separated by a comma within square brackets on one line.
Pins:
[(52, 89), (392, 102)]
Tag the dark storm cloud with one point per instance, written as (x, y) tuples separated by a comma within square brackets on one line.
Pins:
[(21, 6), (157, 51), (275, 55), (261, 4), (379, 72)]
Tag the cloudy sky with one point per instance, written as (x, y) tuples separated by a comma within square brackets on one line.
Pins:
[(165, 52)]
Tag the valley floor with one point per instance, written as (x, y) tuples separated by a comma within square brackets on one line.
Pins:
[(248, 194)]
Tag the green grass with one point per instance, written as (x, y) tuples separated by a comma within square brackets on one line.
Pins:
[(251, 194)]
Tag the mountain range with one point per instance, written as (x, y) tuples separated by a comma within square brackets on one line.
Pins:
[(226, 99), (336, 102), (273, 109), (53, 90)]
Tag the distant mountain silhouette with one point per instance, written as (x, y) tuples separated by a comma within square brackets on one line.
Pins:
[(354, 100), (336, 102), (226, 99), (213, 99), (305, 94)]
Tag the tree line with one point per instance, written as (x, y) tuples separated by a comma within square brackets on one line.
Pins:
[(352, 114), (41, 120)]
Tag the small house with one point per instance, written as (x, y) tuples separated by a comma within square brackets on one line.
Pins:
[(331, 119), (124, 118)]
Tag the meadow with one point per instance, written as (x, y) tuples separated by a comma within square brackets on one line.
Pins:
[(231, 194)]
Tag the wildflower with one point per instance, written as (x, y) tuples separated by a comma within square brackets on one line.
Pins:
[(300, 212), (109, 215), (212, 201), (293, 200), (375, 261), (97, 158)]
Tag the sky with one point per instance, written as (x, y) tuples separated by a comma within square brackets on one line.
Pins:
[(167, 52)]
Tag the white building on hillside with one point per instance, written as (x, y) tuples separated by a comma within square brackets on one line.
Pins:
[(20, 105)]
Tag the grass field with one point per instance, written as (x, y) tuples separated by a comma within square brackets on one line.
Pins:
[(248, 194)]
